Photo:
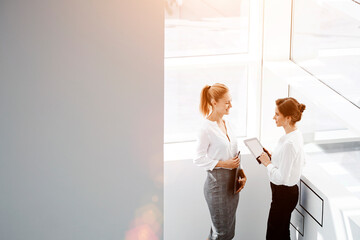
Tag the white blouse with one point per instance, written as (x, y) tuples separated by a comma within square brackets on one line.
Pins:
[(287, 160), (213, 145)]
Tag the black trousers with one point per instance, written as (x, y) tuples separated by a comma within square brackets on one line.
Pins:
[(284, 200)]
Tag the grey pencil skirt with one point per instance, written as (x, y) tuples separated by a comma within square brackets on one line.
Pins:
[(222, 203)]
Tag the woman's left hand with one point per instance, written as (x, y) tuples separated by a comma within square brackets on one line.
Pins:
[(242, 182), (264, 159)]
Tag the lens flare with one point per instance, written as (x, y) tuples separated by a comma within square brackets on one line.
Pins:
[(146, 224)]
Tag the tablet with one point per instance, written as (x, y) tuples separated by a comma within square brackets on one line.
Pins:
[(255, 147), (236, 183)]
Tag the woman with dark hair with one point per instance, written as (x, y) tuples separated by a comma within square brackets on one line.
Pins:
[(217, 153), (284, 168)]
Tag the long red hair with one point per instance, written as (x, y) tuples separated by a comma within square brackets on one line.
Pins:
[(216, 92)]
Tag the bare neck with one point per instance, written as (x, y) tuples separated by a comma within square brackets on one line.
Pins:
[(290, 128), (216, 117)]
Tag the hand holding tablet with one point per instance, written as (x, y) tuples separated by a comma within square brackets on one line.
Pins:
[(255, 148)]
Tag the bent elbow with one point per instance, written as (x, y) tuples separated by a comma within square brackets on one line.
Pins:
[(197, 161)]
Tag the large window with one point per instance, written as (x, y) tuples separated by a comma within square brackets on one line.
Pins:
[(326, 43), (206, 27), (206, 42)]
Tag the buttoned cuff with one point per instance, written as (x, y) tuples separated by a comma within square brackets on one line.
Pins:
[(213, 165)]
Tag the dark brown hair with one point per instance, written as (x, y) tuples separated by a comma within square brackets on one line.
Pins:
[(290, 107), (216, 92)]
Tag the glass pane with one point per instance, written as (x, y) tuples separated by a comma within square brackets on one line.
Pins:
[(326, 43), (206, 27), (317, 123), (330, 143), (182, 97)]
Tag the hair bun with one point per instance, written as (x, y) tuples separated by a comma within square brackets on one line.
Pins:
[(302, 107)]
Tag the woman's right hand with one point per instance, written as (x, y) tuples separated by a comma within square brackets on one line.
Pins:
[(267, 152), (232, 162), (265, 159)]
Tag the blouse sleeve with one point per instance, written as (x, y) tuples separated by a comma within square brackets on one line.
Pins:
[(283, 171), (201, 158)]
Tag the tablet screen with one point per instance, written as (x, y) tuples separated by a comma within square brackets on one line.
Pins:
[(254, 146)]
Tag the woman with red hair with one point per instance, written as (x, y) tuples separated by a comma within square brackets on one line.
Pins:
[(284, 168), (217, 153)]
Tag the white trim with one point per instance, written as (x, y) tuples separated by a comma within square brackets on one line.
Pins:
[(185, 150)]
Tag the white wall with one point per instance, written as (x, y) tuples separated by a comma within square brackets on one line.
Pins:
[(186, 213), (81, 119), (277, 30), (276, 47)]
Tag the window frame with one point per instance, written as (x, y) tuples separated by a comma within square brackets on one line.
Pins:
[(183, 150)]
